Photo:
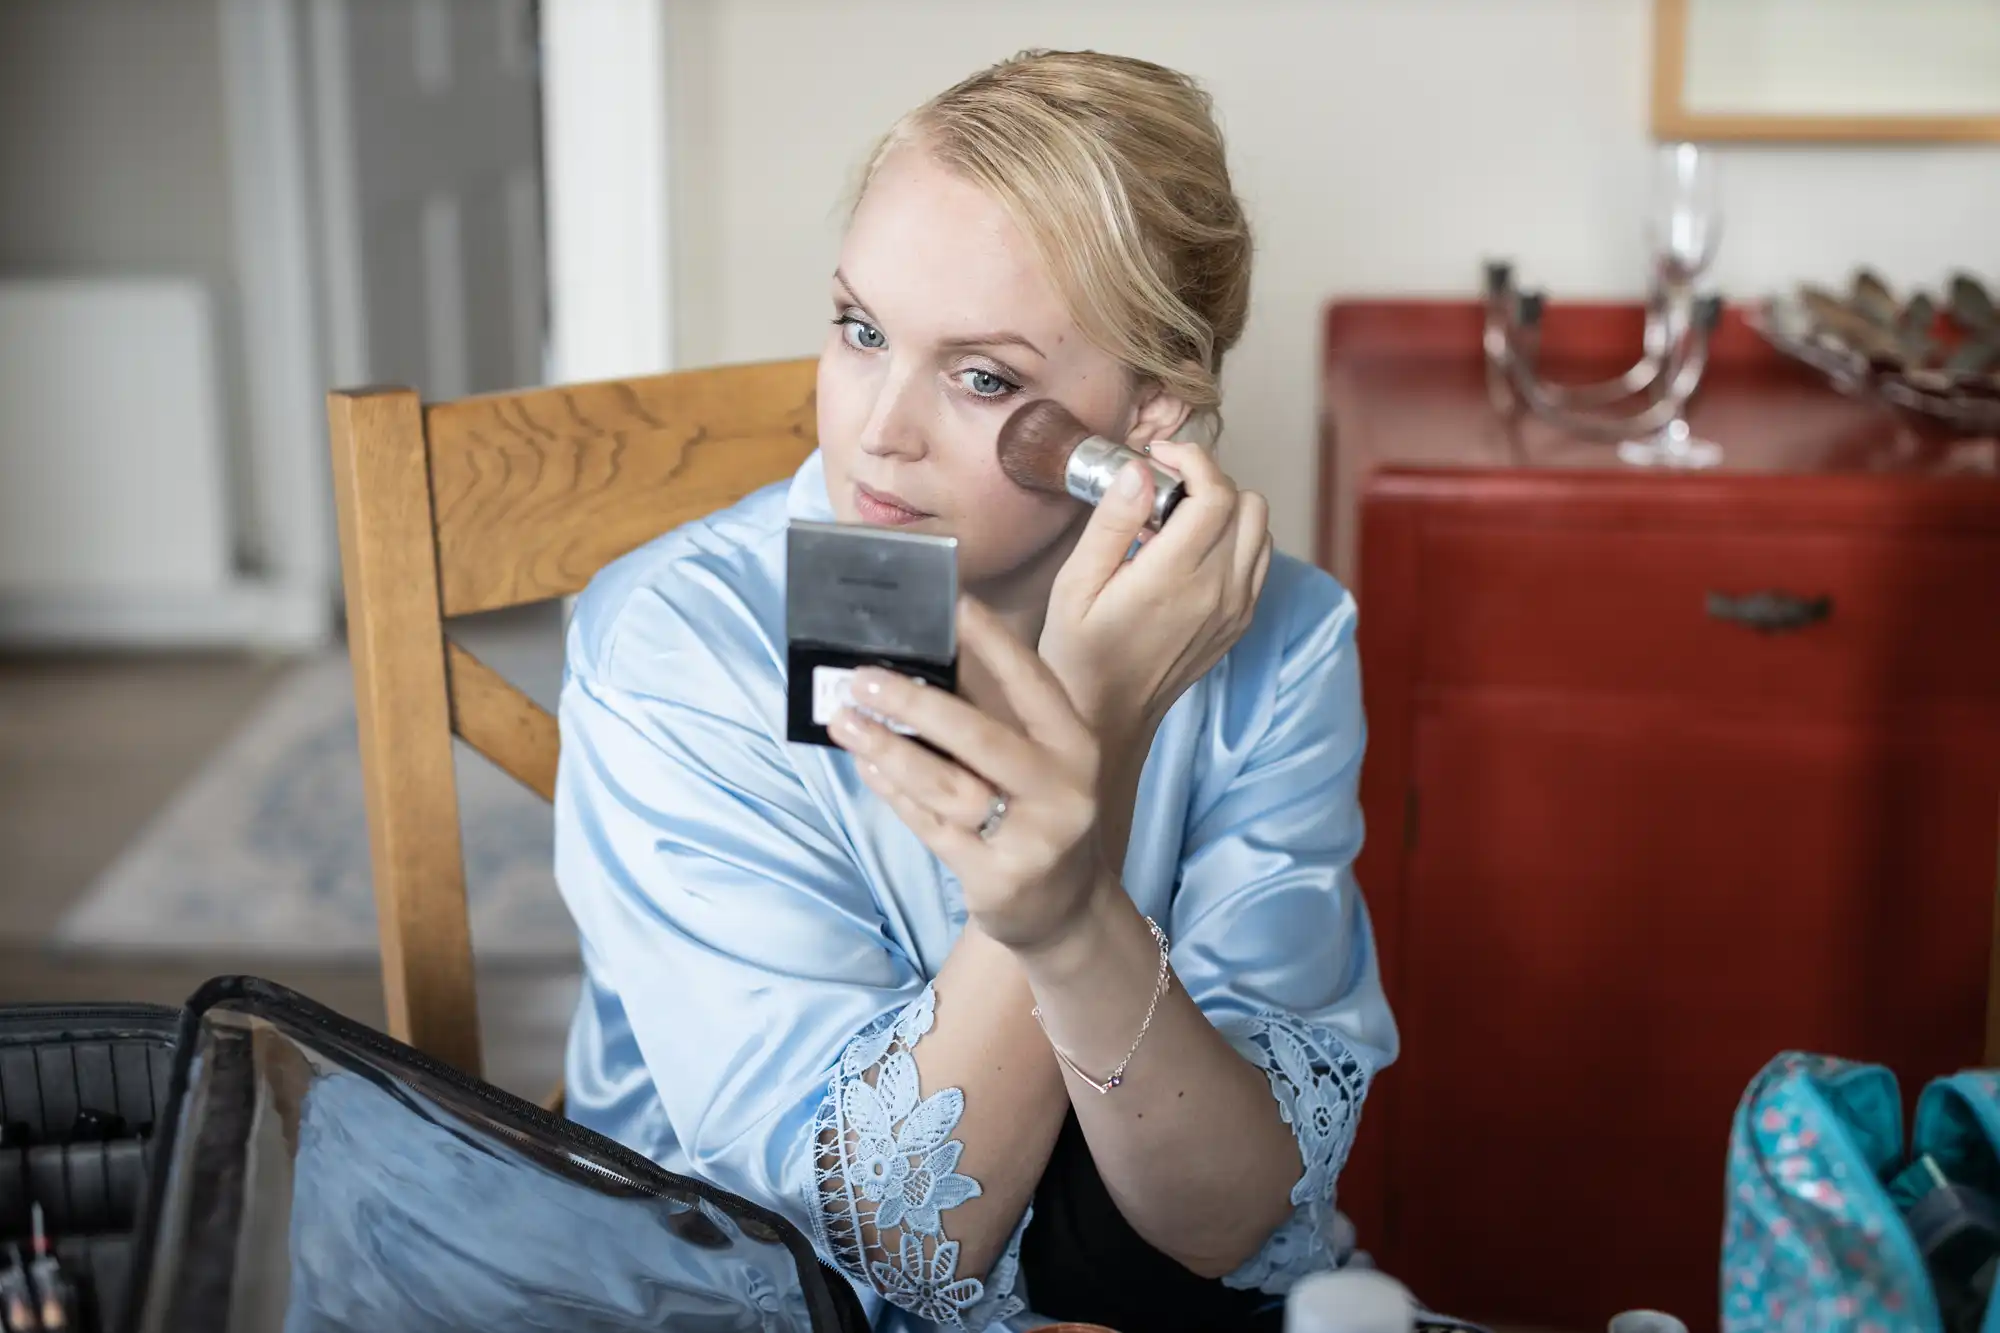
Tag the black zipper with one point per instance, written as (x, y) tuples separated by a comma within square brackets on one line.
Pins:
[(643, 1173), (157, 1020)]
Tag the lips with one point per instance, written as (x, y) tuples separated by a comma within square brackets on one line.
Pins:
[(885, 509)]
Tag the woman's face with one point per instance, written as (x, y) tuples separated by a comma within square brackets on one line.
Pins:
[(944, 322)]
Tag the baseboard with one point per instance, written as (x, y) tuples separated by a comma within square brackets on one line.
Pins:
[(242, 615)]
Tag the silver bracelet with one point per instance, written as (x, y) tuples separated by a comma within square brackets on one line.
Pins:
[(1160, 984)]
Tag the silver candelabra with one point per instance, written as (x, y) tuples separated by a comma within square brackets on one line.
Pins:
[(1644, 409)]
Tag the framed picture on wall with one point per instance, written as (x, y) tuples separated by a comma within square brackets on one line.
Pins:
[(1856, 71)]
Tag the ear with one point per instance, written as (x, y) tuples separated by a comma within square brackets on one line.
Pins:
[(1157, 415)]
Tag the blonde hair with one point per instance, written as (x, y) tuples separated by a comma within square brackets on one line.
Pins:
[(1115, 169)]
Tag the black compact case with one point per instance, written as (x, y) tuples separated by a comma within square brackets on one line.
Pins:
[(859, 596), (803, 662)]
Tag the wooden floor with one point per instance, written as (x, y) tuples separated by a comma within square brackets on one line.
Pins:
[(90, 749)]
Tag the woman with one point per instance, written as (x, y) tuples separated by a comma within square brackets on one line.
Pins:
[(885, 989)]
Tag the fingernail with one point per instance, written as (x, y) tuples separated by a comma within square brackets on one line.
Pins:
[(874, 770), (1129, 481)]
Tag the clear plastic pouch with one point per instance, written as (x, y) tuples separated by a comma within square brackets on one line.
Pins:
[(313, 1175)]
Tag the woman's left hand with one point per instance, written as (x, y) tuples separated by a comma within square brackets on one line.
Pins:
[(1016, 738)]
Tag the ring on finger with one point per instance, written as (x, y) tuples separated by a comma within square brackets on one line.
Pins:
[(996, 814)]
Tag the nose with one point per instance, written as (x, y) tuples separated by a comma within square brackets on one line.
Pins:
[(896, 419)]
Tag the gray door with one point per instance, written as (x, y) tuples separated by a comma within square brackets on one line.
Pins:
[(427, 144)]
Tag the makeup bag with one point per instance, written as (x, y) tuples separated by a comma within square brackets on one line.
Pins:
[(312, 1174), (81, 1089), (1833, 1224)]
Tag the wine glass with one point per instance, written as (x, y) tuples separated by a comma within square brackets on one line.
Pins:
[(1684, 218), (1683, 230)]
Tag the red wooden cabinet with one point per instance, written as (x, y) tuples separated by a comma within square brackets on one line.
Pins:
[(1623, 847)]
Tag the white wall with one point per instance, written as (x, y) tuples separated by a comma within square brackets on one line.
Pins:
[(1383, 147)]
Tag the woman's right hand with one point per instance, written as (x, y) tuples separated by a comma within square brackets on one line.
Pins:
[(1128, 637)]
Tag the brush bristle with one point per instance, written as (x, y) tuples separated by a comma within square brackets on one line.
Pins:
[(1035, 444)]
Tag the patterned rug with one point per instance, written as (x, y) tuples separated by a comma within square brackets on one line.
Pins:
[(266, 849)]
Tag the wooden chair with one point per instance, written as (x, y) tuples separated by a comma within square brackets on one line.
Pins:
[(447, 509)]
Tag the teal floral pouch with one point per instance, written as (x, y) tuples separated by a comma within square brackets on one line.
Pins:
[(1833, 1224)]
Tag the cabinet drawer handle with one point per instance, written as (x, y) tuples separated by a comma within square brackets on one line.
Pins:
[(1770, 612)]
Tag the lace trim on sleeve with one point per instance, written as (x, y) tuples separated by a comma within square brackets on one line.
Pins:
[(885, 1170), (1320, 1083)]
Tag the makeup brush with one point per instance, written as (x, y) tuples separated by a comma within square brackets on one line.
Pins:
[(52, 1289), (17, 1297), (1043, 448)]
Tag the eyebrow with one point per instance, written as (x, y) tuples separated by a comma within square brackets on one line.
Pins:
[(1000, 338)]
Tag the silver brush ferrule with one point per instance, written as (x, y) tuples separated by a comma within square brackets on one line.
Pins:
[(1096, 463)]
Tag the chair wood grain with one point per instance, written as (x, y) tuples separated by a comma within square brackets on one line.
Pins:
[(396, 641), (488, 502), (535, 492), (492, 715)]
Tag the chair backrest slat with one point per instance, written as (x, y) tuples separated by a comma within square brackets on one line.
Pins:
[(500, 500), (535, 492), (492, 715)]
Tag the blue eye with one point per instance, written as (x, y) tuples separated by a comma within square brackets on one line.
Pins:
[(860, 334), (986, 384)]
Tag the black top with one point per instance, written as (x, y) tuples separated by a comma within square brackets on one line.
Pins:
[(1081, 1260)]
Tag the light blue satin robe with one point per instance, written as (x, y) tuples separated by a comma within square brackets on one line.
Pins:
[(760, 931)]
